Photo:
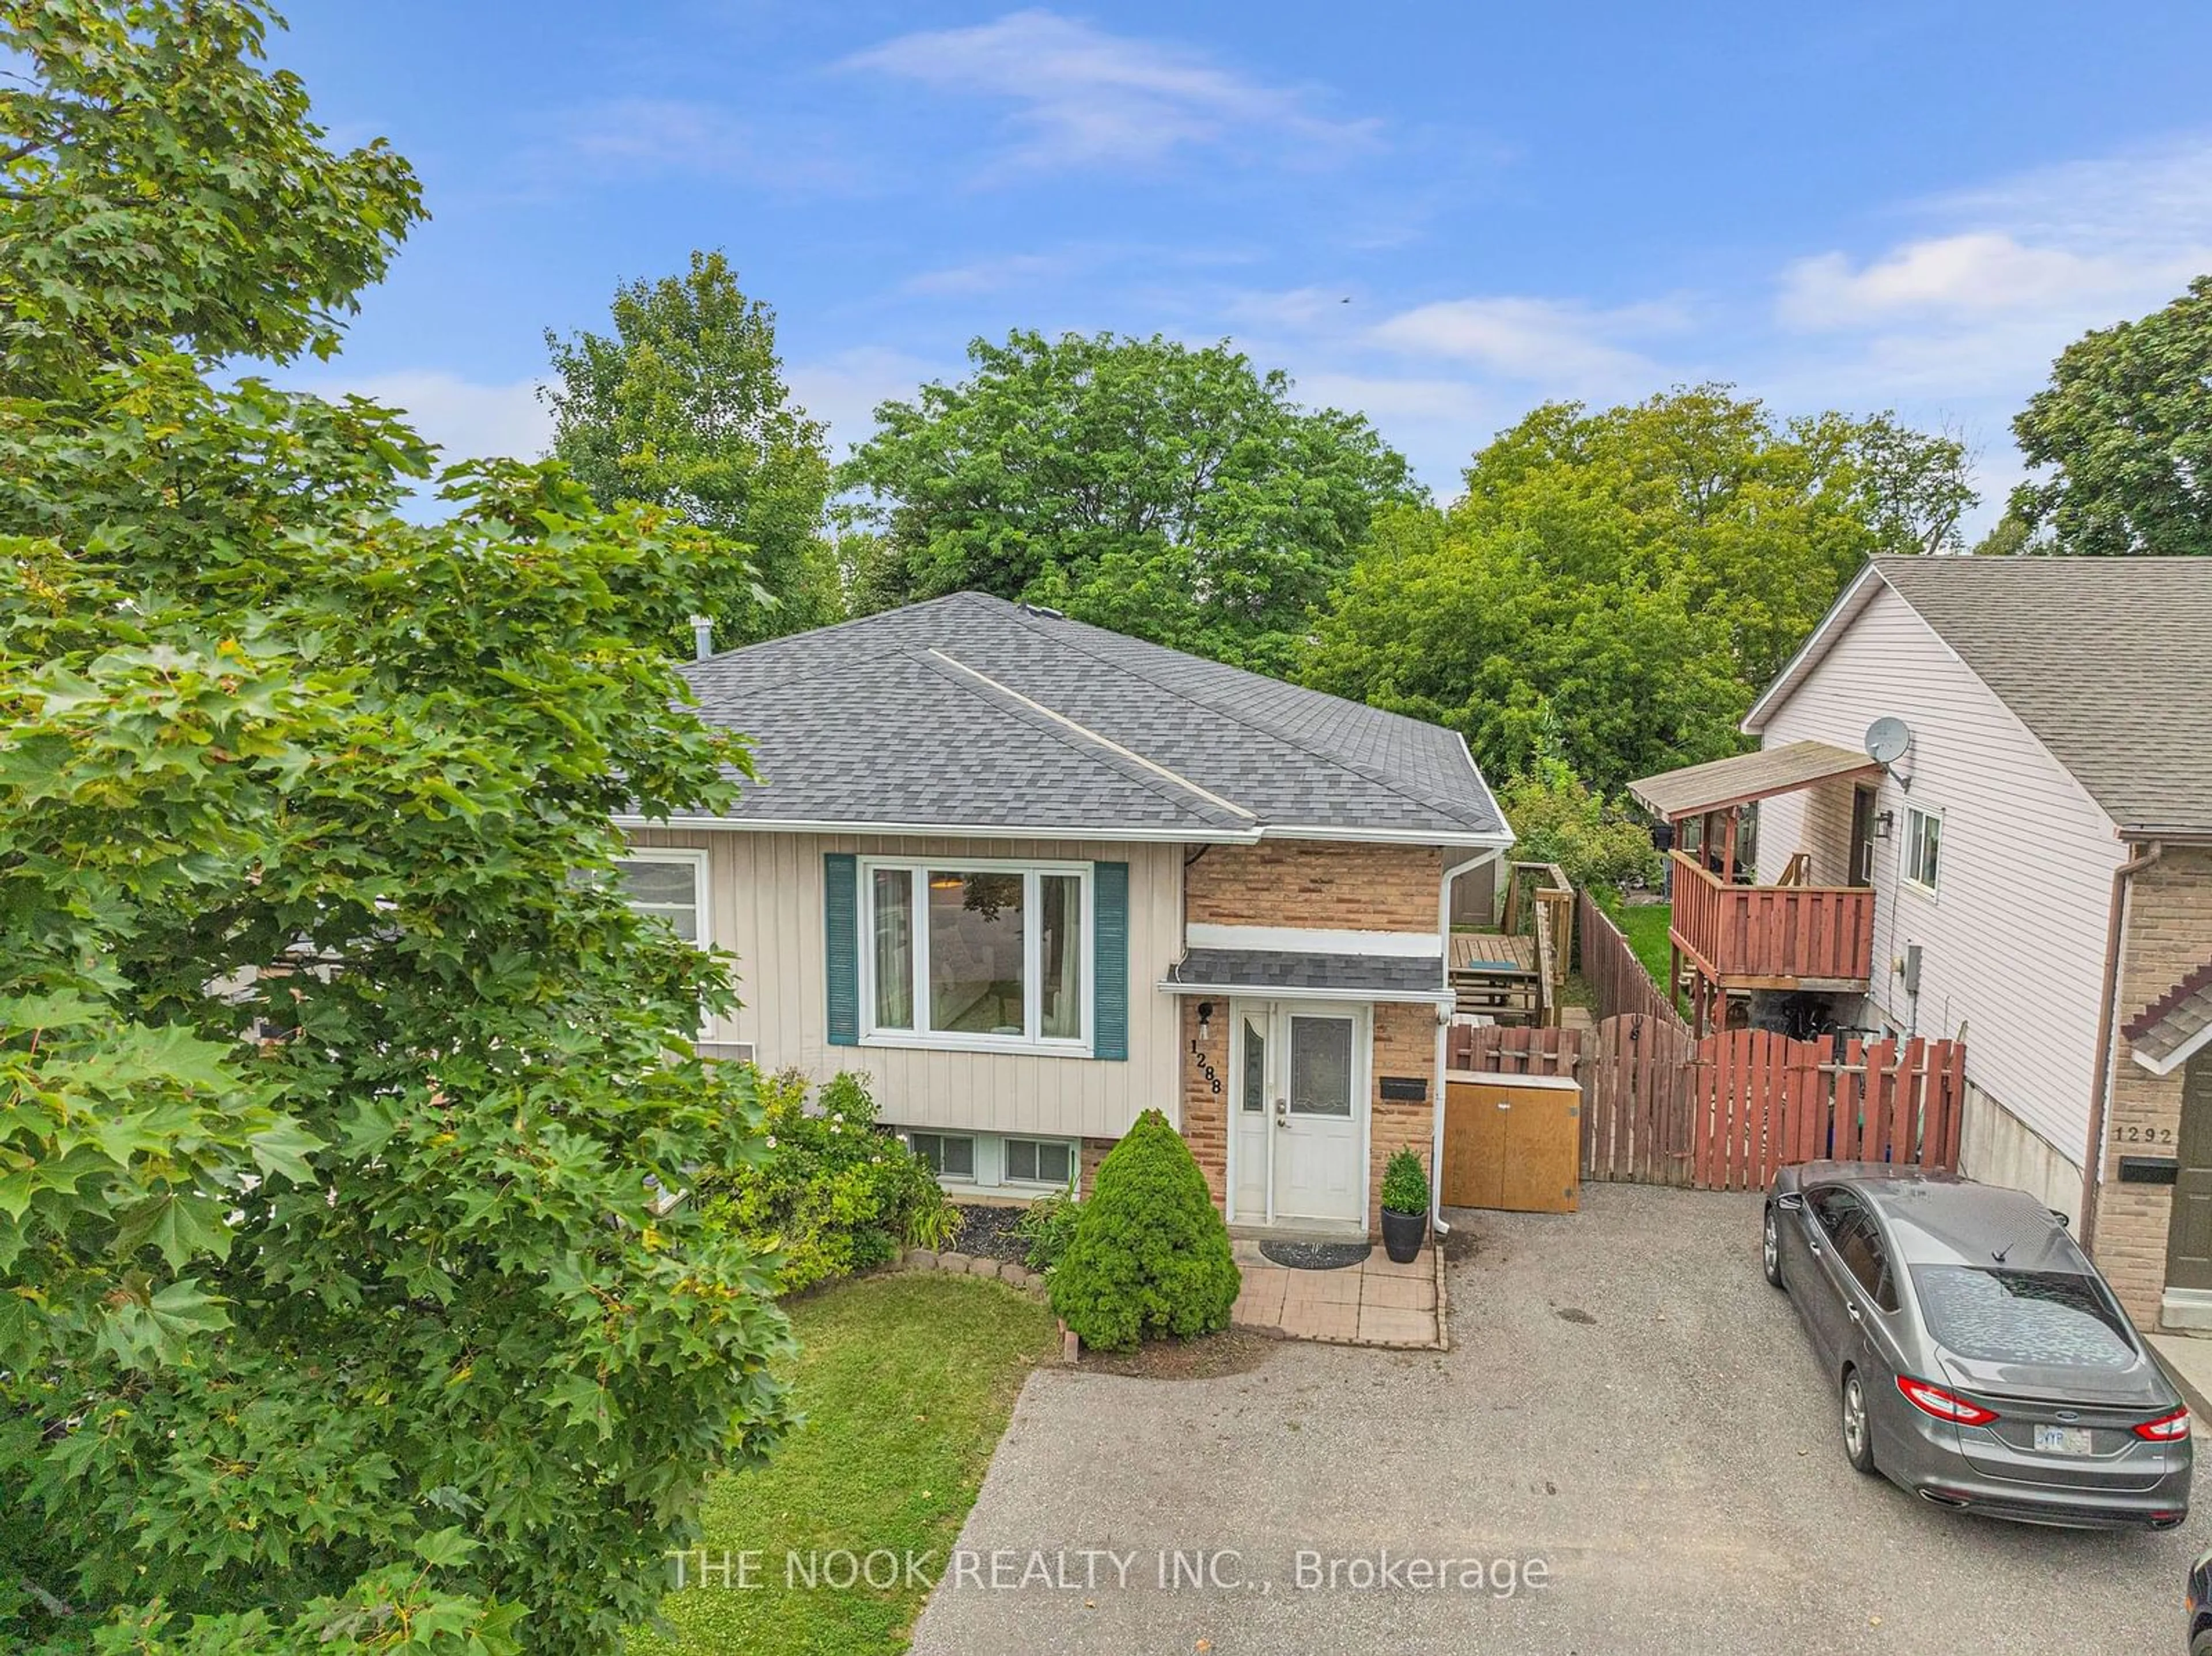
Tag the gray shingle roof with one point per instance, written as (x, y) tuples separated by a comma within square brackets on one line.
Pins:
[(2173, 1025), (2108, 660), (1360, 976), (971, 711)]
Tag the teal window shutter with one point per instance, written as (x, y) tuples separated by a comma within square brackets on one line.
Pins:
[(1110, 959), (840, 931)]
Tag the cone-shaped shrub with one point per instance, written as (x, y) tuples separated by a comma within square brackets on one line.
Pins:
[(1150, 1255)]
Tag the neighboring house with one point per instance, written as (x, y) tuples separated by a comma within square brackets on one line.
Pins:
[(2034, 873), (1035, 878)]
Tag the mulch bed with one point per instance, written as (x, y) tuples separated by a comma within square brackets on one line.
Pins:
[(988, 1230), (1233, 1351)]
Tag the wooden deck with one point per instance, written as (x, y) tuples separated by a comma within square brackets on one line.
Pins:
[(1747, 936), (1493, 951), (1496, 977)]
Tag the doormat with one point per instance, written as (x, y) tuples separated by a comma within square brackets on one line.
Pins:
[(1315, 1256)]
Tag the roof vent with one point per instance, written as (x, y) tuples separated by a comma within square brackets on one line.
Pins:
[(1040, 610), (703, 637)]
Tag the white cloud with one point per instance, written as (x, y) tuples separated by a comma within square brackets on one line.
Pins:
[(649, 137), (467, 421), (1086, 97), (989, 276), (1303, 310), (842, 390), (1977, 273), (1559, 345), (1956, 322)]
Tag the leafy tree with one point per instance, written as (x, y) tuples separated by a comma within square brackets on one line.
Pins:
[(2127, 422), (1558, 820), (1172, 492), (2007, 538), (158, 186), (685, 407), (337, 1312), (1624, 579)]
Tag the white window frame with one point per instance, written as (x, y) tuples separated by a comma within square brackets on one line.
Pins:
[(1032, 955), (703, 908), (1074, 1148), (976, 1156), (1914, 816), (991, 1178)]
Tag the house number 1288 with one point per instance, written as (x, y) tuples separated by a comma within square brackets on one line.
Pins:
[(1206, 1069)]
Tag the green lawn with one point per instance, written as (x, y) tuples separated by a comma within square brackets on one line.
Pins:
[(905, 1382), (1644, 925)]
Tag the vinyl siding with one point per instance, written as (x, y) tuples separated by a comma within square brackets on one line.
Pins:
[(767, 909), (2012, 945)]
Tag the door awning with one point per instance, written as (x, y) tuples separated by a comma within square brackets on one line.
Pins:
[(1287, 974), (1719, 783), (2176, 1027)]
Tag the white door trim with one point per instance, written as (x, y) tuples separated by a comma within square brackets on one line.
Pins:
[(1277, 1014)]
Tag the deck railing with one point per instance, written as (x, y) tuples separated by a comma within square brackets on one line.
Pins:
[(1771, 935)]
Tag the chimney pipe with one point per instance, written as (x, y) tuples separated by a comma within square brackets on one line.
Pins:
[(703, 637)]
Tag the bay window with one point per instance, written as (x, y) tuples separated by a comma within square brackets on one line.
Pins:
[(972, 953)]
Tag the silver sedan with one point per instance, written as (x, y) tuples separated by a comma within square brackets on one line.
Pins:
[(1980, 1360)]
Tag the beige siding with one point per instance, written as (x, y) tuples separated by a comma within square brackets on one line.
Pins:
[(768, 911), (2012, 945)]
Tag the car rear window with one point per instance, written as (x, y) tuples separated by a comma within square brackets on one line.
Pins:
[(1997, 1315)]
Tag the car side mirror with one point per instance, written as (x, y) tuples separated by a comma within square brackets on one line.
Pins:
[(1792, 1202), (2060, 1215)]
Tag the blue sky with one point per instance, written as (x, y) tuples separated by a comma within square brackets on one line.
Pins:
[(1439, 214)]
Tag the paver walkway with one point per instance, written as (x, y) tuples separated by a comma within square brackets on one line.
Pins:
[(1374, 1302)]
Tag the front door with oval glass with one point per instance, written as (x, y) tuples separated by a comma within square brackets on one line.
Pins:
[(1299, 1140)]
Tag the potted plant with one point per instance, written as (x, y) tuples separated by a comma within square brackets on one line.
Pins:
[(1405, 1207)]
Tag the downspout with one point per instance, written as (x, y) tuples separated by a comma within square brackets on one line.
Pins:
[(1443, 1028), (2093, 1161)]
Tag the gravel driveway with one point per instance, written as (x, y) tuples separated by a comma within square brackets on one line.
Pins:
[(1629, 1413)]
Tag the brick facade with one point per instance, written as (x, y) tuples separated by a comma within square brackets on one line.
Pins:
[(1321, 884), (1206, 1096), (1405, 1045), (2169, 934)]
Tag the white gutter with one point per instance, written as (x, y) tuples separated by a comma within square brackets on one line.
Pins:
[(945, 830), (1189, 836), (1272, 991), (1444, 1028)]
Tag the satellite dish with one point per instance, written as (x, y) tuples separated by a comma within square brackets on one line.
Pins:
[(1889, 740)]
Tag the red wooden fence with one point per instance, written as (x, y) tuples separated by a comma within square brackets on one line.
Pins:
[(1617, 978), (1726, 1111)]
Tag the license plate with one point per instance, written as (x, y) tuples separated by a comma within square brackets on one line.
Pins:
[(2063, 1441)]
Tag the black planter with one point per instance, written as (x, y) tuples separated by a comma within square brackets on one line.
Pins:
[(1403, 1234)]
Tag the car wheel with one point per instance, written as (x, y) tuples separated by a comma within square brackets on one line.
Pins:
[(1769, 1249), (1858, 1429)]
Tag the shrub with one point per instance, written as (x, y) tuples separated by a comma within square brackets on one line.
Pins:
[(1048, 1227), (1405, 1184), (1558, 820), (1150, 1255), (830, 1193)]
